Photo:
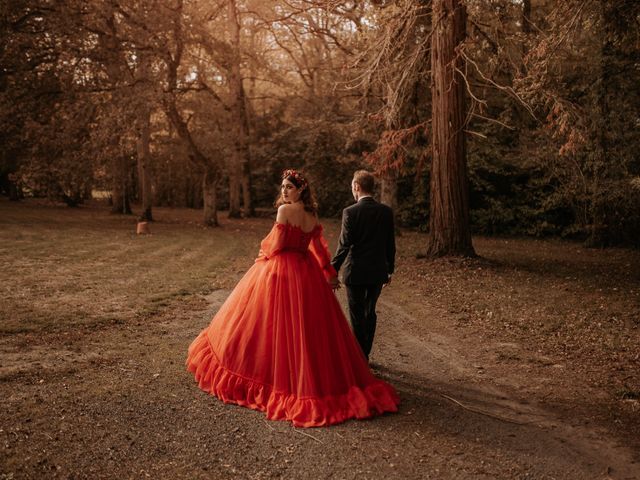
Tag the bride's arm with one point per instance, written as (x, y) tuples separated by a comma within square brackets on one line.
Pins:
[(320, 250), (273, 242)]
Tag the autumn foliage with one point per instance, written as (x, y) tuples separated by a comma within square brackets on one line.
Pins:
[(202, 104)]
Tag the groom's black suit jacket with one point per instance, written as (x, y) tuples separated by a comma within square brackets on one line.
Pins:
[(367, 245)]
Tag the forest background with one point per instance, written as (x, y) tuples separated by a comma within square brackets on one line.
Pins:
[(203, 103)]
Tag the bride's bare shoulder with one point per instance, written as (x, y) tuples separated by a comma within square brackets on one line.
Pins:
[(284, 213)]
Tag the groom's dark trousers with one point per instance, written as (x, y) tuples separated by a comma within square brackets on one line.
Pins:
[(367, 250), (362, 312)]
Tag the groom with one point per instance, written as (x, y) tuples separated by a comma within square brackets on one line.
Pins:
[(367, 248)]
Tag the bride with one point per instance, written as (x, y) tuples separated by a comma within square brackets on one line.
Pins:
[(280, 343)]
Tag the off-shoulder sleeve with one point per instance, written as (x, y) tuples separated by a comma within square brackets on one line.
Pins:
[(320, 250), (273, 243)]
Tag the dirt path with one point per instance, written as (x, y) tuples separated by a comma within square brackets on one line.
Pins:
[(117, 403), (419, 344)]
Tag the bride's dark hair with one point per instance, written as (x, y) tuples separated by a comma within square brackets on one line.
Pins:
[(306, 195)]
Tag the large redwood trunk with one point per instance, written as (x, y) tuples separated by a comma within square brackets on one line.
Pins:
[(144, 168), (449, 230)]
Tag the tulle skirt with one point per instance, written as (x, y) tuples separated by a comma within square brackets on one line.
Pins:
[(281, 344)]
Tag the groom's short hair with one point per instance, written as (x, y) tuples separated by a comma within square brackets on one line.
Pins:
[(366, 180)]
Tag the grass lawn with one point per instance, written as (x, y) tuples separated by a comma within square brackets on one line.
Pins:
[(63, 267)]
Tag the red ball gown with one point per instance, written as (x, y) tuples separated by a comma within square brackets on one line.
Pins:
[(281, 344)]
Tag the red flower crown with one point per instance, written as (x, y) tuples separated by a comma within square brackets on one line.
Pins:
[(299, 178)]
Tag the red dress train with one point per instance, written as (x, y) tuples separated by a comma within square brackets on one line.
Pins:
[(281, 344)]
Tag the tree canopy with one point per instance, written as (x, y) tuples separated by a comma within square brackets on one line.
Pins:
[(203, 103)]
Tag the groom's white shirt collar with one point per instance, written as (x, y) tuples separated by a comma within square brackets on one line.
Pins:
[(365, 196)]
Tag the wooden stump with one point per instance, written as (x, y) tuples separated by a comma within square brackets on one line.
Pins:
[(143, 228)]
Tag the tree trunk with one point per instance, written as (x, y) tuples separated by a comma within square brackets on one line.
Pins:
[(15, 192), (212, 171), (235, 180), (526, 16), (389, 189), (248, 210), (209, 188), (144, 167), (596, 210), (239, 172), (449, 230), (120, 188)]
